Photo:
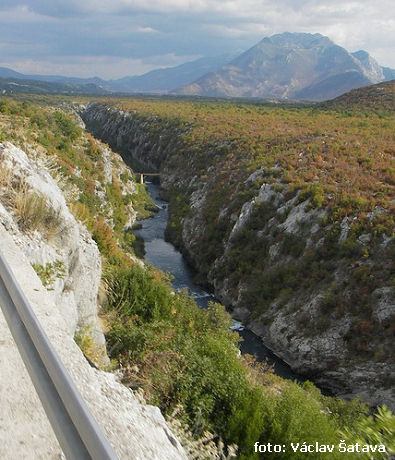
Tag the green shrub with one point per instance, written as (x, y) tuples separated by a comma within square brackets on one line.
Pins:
[(184, 356), (50, 271), (104, 237), (95, 353), (316, 193), (293, 244), (375, 430), (67, 126)]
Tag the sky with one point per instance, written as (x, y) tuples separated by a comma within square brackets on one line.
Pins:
[(115, 38)]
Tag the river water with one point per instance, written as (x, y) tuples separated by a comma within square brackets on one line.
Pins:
[(165, 256)]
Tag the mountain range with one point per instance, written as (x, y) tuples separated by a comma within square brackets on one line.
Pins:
[(291, 66), (10, 85), (288, 66), (158, 81)]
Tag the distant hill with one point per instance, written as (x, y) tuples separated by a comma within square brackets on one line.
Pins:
[(291, 66), (379, 97), (9, 73), (159, 81), (19, 85), (166, 80)]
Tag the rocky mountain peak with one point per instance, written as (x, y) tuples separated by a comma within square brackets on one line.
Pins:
[(370, 67), (290, 66), (298, 39)]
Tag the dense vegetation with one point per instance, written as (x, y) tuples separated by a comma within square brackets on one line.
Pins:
[(207, 148), (181, 356)]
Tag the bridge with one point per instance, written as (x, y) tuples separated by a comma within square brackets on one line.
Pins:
[(147, 174)]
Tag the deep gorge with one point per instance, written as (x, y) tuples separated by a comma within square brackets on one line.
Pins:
[(270, 253), (164, 256)]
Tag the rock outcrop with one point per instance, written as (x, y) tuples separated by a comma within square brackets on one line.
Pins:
[(136, 138), (61, 251), (75, 286), (135, 430)]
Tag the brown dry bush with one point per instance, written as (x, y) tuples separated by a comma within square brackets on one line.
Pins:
[(34, 213)]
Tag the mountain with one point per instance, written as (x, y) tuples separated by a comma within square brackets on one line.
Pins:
[(371, 69), (389, 74), (291, 66), (9, 73), (19, 85), (157, 81), (165, 80)]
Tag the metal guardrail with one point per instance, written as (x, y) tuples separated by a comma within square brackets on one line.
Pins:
[(78, 433)]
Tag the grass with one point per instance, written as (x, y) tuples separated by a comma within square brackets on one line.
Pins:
[(31, 209), (49, 272), (83, 337), (34, 213), (185, 359), (5, 176)]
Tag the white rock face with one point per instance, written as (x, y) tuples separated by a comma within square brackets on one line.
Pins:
[(106, 155), (74, 293)]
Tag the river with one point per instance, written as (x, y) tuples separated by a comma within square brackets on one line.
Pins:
[(165, 256)]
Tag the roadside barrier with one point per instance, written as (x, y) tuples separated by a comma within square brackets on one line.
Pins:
[(78, 433)]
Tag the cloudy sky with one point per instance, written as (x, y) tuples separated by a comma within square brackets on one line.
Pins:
[(114, 38)]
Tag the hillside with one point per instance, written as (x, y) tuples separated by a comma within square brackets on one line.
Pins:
[(380, 97), (165, 80), (62, 203), (6, 72), (15, 85), (291, 66)]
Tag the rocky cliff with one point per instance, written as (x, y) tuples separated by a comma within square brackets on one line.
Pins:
[(65, 255), (316, 290), (58, 266)]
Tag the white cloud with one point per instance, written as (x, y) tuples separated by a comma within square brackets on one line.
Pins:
[(110, 36), (146, 30)]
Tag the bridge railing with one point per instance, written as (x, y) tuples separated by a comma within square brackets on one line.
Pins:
[(78, 433)]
